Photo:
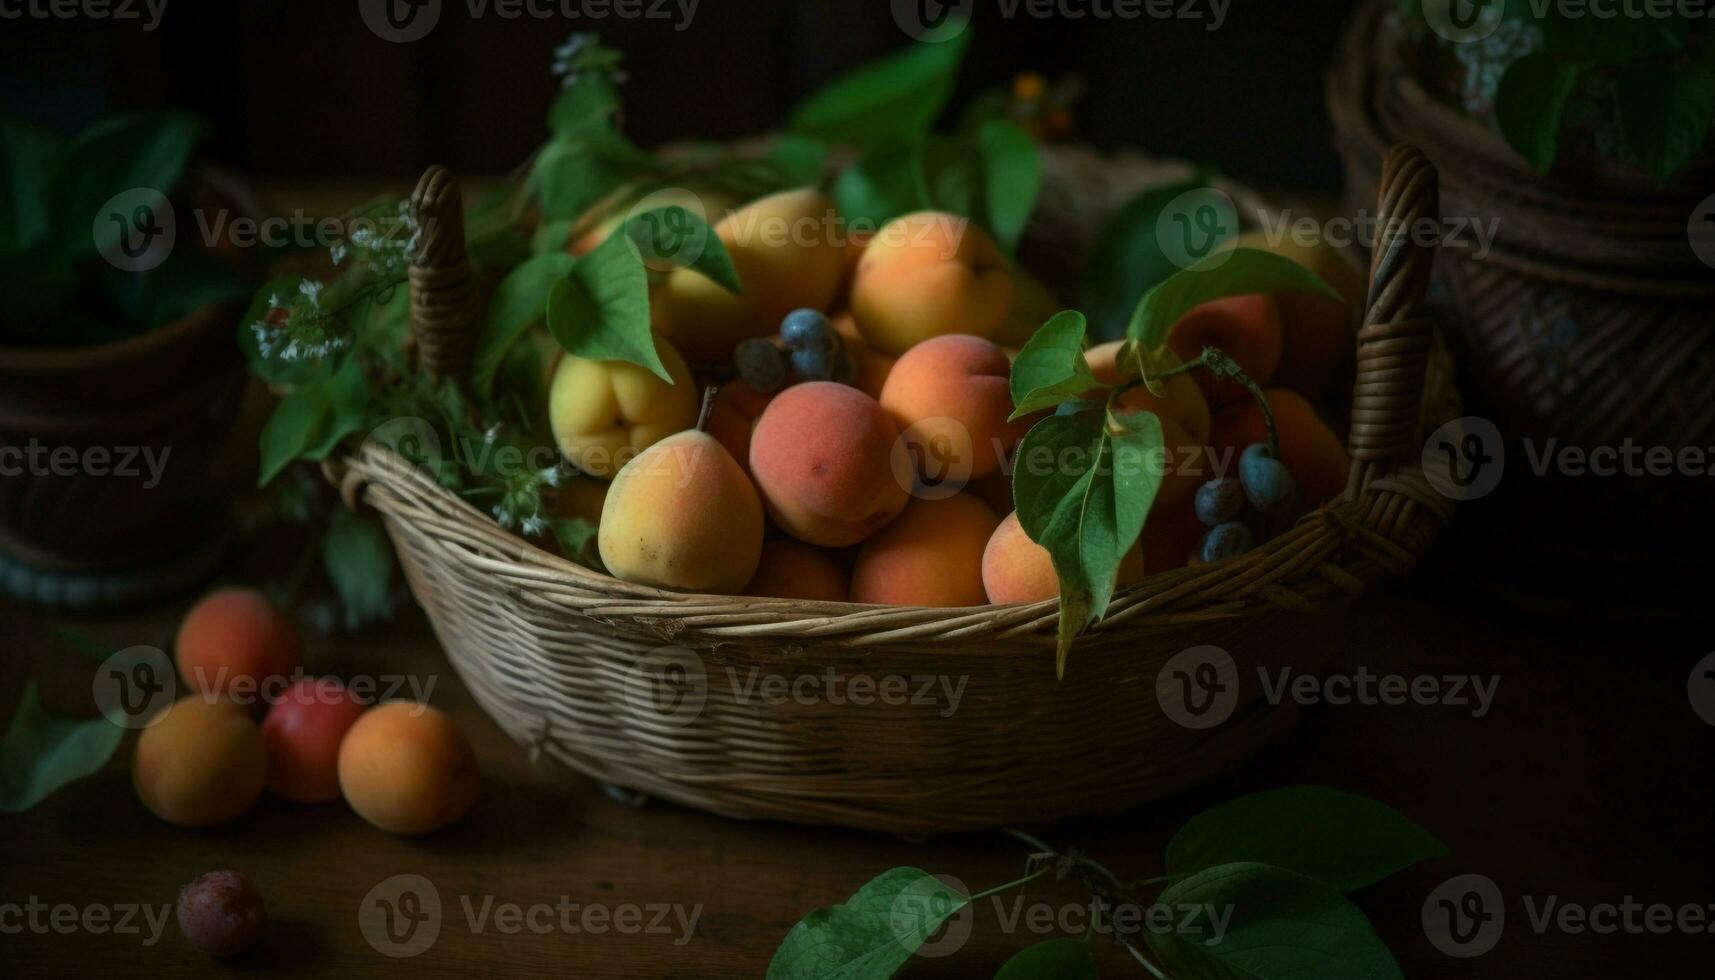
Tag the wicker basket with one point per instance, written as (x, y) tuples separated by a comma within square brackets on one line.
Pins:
[(568, 661), (1587, 323)]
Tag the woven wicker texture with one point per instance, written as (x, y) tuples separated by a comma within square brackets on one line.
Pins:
[(667, 693)]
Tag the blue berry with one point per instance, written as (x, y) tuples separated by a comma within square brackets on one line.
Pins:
[(813, 364), (1267, 482), (808, 330), (760, 364), (1219, 501), (1228, 540)]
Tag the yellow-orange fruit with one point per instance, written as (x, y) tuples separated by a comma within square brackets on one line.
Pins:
[(1184, 414), (406, 768), (926, 274), (950, 397), (1017, 569), (932, 555), (603, 413), (201, 764), (682, 515), (829, 463), (732, 417), (794, 570), (236, 643), (788, 252), (870, 367)]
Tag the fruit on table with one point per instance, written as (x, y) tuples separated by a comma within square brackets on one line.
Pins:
[(1316, 330), (793, 570), (302, 734), (1313, 454), (950, 397), (1185, 421), (1225, 541), (1017, 569), (406, 768), (926, 274), (787, 253), (202, 763), (683, 515), (1267, 483), (221, 913), (932, 555), (1245, 328), (869, 367), (733, 417), (829, 463), (603, 413), (1033, 304), (236, 643)]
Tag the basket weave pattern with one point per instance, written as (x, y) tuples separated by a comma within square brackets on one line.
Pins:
[(565, 659)]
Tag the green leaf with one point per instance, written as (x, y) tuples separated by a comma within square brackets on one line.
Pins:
[(1128, 260), (577, 538), (664, 235), (1012, 170), (1592, 40), (1267, 924), (298, 421), (1083, 488), (586, 158), (144, 150), (28, 155), (799, 159), (359, 562), (43, 751), (518, 302), (1053, 959), (1666, 113), (873, 934), (1051, 368), (1341, 839), (348, 405), (1530, 104), (1235, 272), (898, 96), (600, 310), (883, 184)]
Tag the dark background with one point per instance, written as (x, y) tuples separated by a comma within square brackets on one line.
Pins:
[(301, 88)]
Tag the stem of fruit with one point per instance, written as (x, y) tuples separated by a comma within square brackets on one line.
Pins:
[(1102, 883), (1220, 365), (708, 407)]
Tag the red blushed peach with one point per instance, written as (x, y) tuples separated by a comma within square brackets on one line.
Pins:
[(950, 397), (793, 570), (235, 643), (1184, 414), (931, 556), (302, 732), (829, 463), (407, 769), (1017, 569), (1245, 328), (1311, 451), (203, 763)]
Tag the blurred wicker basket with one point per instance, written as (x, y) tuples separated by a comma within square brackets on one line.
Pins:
[(569, 661), (1587, 323)]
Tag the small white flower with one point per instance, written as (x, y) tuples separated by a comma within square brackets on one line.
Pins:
[(534, 525), (551, 476), (338, 254), (503, 514), (492, 433), (312, 291)]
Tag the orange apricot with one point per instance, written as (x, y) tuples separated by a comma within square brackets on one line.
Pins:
[(236, 643), (794, 570), (950, 397), (1017, 569), (932, 555), (1184, 415), (406, 768), (202, 763)]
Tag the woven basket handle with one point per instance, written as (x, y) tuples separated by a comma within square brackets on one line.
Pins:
[(1395, 341), (443, 294)]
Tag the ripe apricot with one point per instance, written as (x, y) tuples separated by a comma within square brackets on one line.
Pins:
[(829, 463), (683, 515), (926, 274), (1184, 414), (733, 415), (788, 253), (603, 413), (1311, 451), (950, 397), (1316, 330), (201, 764), (794, 570), (235, 643), (1017, 569), (1245, 328), (932, 555), (406, 768), (302, 733)]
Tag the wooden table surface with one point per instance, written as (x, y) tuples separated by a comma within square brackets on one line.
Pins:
[(1588, 781)]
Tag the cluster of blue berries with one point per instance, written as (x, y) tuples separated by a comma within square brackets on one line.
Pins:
[(808, 349), (1264, 485)]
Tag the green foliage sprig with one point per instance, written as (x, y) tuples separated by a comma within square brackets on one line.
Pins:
[(1276, 863)]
